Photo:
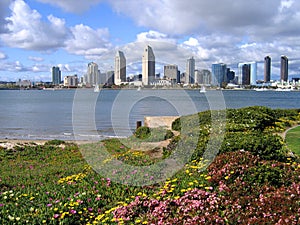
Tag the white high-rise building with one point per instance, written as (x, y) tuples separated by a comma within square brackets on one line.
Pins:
[(93, 73), (190, 71), (148, 66), (120, 68)]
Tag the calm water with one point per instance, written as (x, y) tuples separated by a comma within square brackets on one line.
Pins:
[(58, 114)]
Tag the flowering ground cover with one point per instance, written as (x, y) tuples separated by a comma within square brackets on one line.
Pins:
[(253, 180)]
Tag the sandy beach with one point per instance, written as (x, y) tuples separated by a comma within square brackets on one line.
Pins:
[(11, 143)]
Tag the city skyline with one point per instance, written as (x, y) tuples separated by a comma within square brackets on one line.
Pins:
[(36, 35)]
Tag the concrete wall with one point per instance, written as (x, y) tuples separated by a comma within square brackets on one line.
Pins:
[(159, 121)]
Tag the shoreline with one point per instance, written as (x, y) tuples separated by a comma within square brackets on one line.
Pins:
[(11, 143)]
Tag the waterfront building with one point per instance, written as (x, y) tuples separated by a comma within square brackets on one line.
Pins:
[(219, 71), (120, 68), (93, 74), (203, 77), (171, 73), (71, 81), (246, 71), (267, 69), (148, 66), (284, 72), (56, 75), (190, 71)]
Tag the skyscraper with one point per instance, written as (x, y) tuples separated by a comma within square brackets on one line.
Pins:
[(267, 73), (284, 71), (148, 66), (190, 70), (93, 74), (120, 68), (219, 71), (56, 75), (253, 73)]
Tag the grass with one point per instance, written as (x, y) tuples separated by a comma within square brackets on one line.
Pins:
[(293, 140)]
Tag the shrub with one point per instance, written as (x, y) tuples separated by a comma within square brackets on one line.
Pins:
[(169, 134), (55, 142), (142, 132)]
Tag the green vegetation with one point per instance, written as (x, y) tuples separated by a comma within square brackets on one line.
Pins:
[(252, 180), (293, 140)]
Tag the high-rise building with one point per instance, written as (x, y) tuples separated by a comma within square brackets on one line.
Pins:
[(56, 75), (284, 71), (190, 70), (171, 73), (219, 71), (120, 68), (71, 81), (242, 72), (148, 66), (93, 74), (203, 76), (267, 69)]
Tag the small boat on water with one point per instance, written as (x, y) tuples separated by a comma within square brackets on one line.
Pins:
[(96, 89), (202, 90)]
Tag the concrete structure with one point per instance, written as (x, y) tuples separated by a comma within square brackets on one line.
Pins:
[(159, 121), (219, 71), (71, 81), (148, 66), (284, 69), (253, 73), (120, 68), (190, 71), (267, 69), (171, 73), (56, 75)]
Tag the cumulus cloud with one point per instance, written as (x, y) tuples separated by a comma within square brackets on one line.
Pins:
[(71, 6), (4, 5), (87, 41), (27, 30)]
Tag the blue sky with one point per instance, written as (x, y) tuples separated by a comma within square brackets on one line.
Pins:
[(38, 34)]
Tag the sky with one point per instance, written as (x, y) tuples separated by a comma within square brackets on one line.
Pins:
[(36, 35)]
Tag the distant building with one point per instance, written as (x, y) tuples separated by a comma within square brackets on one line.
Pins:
[(92, 76), (171, 73), (148, 66), (230, 75), (284, 71), (203, 77), (24, 83), (120, 68), (56, 75), (267, 69), (219, 71), (190, 71), (243, 71), (71, 81)]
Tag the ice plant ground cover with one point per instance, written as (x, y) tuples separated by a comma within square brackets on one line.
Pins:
[(255, 179)]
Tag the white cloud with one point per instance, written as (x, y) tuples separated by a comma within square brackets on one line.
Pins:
[(35, 59), (88, 42), (27, 30), (2, 55), (71, 5)]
